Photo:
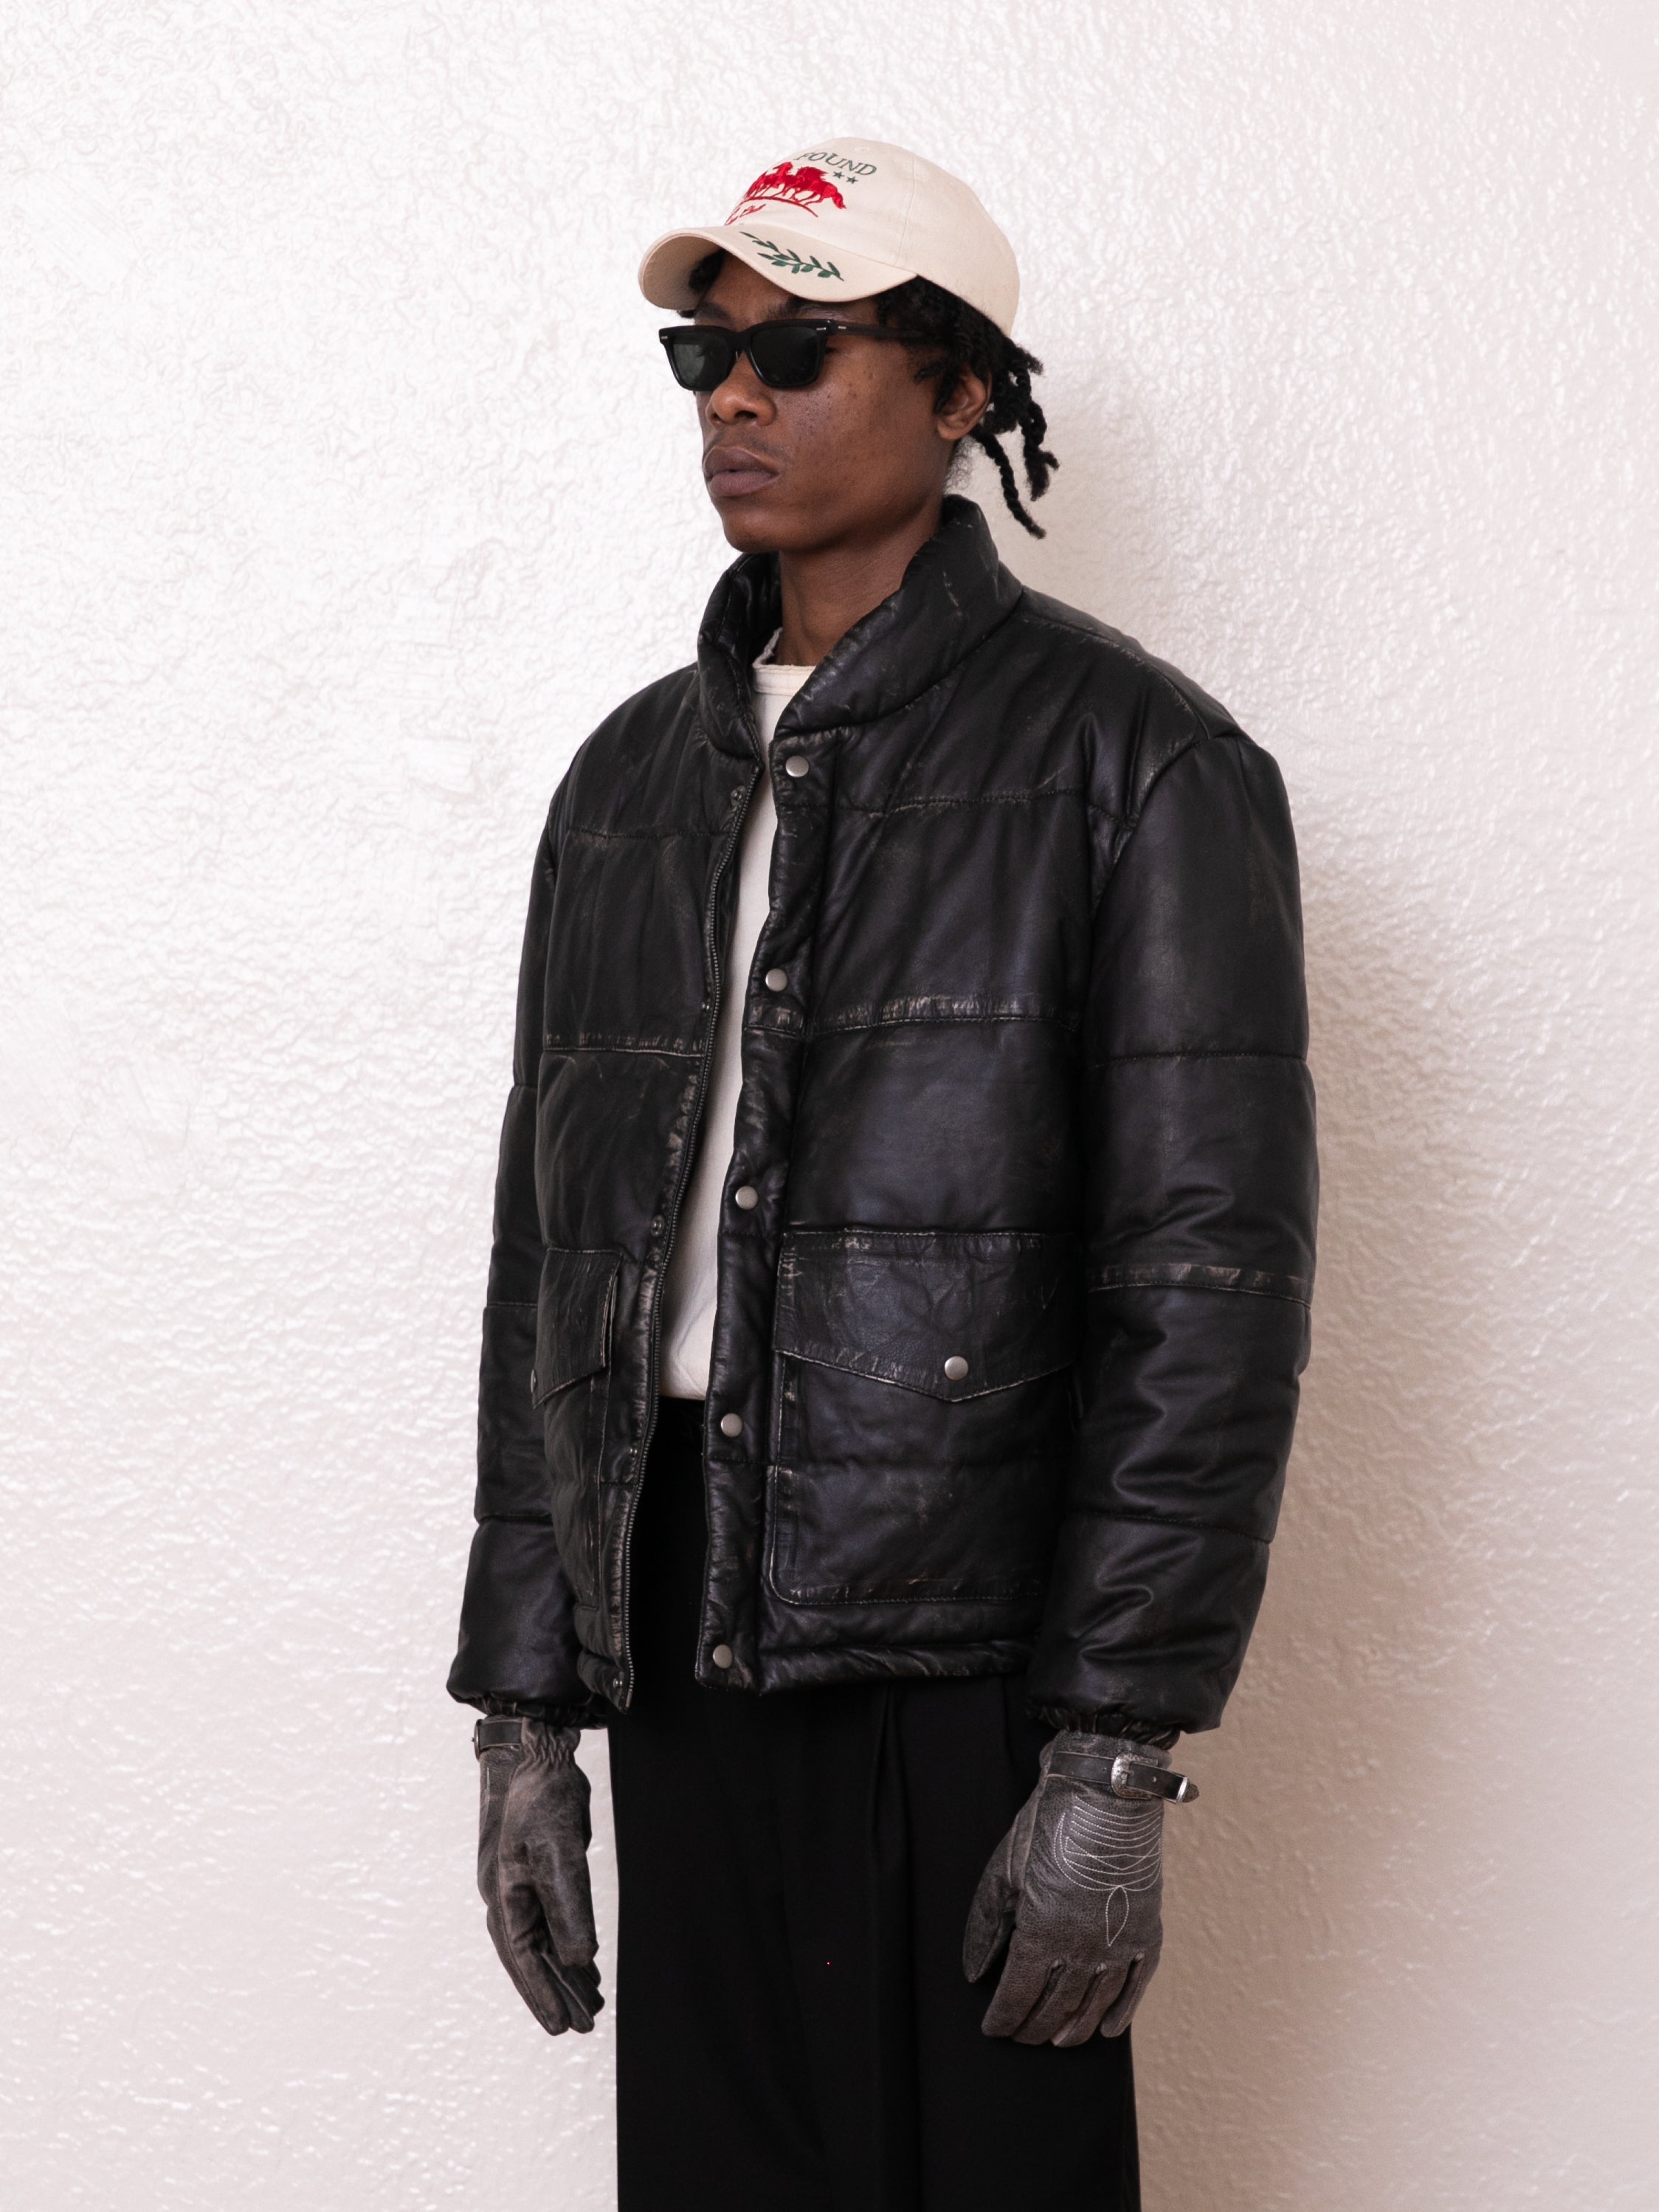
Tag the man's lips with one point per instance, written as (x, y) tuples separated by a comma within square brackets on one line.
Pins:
[(732, 472)]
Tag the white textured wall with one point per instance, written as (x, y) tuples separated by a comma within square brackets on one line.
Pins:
[(342, 490)]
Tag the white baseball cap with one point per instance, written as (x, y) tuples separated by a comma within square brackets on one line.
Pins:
[(847, 218)]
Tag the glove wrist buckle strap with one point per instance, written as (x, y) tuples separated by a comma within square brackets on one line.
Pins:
[(500, 1731), (1140, 1781), (1140, 1776)]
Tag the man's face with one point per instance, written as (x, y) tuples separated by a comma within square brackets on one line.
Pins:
[(854, 455)]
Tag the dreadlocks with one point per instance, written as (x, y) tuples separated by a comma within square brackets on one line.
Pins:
[(961, 340), (957, 340)]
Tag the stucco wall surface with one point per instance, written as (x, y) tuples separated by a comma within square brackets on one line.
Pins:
[(342, 490)]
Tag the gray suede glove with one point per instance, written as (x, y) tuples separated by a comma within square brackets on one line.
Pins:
[(1074, 1891), (534, 1833)]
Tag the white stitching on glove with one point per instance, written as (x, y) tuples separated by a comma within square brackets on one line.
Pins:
[(1075, 1895)]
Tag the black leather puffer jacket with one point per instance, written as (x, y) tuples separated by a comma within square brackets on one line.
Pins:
[(1014, 1332)]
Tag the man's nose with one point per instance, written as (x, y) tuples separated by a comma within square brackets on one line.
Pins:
[(741, 397)]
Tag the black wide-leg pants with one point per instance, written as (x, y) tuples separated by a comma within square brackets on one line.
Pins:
[(793, 2028)]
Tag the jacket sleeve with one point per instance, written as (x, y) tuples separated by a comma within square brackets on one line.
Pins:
[(518, 1640), (1198, 1128)]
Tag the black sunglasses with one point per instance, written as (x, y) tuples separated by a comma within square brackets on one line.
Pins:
[(785, 356)]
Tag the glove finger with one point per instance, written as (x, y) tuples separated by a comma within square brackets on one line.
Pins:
[(990, 1921), (566, 1897), (1123, 2008), (579, 1988), (528, 1975), (1107, 1983), (1024, 1983), (1067, 1992), (518, 1926), (550, 1916)]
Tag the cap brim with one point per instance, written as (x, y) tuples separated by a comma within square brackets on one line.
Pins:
[(789, 258)]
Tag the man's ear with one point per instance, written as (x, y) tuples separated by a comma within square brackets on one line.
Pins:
[(963, 410)]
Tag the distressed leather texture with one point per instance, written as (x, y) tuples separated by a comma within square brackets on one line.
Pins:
[(1033, 1102), (533, 1834), (1072, 1902)]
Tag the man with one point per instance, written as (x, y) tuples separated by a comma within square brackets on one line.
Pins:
[(903, 1240)]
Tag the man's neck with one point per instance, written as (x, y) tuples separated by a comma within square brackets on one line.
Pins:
[(828, 589)]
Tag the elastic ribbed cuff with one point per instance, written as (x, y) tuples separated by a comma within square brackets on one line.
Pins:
[(591, 1713), (1105, 1723)]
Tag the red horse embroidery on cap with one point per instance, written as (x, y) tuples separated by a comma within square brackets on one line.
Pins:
[(800, 188)]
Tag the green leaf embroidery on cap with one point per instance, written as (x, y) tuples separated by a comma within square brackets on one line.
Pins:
[(785, 256)]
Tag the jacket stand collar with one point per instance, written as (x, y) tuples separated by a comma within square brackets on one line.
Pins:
[(955, 593)]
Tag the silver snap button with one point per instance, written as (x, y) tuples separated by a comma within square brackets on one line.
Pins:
[(777, 979), (731, 1425), (797, 765), (956, 1367), (722, 1656), (746, 1196)]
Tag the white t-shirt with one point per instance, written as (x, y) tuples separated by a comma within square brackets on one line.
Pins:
[(688, 1319)]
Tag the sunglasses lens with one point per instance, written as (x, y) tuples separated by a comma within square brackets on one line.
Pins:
[(787, 355), (700, 357)]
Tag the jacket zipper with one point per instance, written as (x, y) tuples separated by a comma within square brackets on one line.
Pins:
[(712, 956)]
